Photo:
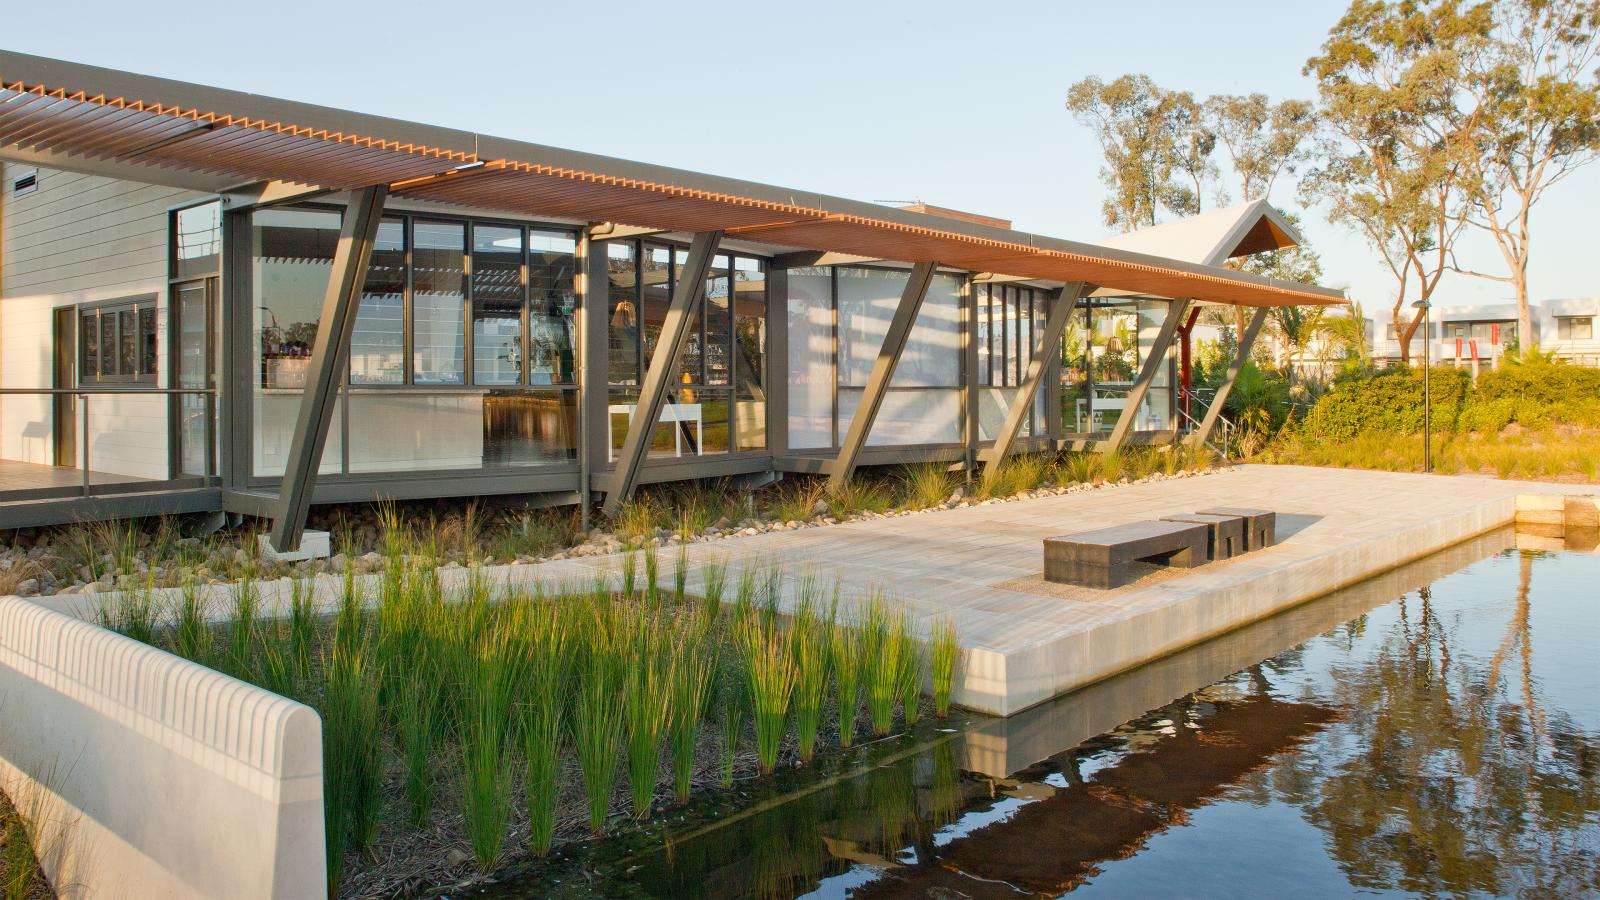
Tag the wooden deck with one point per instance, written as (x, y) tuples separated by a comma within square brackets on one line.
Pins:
[(24, 476)]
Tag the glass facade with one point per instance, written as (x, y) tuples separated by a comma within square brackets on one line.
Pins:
[(464, 354), (447, 370), (717, 402), (1009, 319)]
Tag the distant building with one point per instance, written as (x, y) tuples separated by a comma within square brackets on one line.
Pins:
[(1563, 327)]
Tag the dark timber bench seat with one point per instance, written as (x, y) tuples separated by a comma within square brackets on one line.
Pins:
[(1227, 533), (1105, 558), (1260, 525)]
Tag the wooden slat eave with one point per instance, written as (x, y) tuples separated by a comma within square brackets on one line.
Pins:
[(231, 144)]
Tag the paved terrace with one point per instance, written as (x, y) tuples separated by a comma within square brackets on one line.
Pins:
[(1028, 641)]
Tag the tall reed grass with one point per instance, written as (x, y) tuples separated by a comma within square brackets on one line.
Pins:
[(772, 672), (470, 684), (945, 651)]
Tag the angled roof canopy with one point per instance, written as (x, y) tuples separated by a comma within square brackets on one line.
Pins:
[(1211, 239), (70, 115)]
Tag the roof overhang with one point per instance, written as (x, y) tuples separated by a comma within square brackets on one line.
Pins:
[(183, 134), (1212, 238)]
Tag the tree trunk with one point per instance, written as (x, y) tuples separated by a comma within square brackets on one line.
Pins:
[(1527, 341)]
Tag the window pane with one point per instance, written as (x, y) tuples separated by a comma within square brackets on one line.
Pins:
[(718, 315), (986, 359), (197, 240), (810, 369), (496, 305), (552, 299), (289, 276), (378, 344), (867, 300), (128, 344), (655, 276), (932, 355), (147, 340), (89, 344), (623, 297), (438, 303), (530, 428), (749, 353), (108, 344)]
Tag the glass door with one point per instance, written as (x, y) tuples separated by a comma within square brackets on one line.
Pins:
[(194, 352)]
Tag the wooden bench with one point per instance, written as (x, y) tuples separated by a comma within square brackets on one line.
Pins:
[(1260, 525), (1225, 533), (1104, 558)]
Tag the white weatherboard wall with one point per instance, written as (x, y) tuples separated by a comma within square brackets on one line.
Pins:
[(172, 779), (80, 239)]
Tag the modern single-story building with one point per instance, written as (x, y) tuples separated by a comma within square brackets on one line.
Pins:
[(1565, 328), (212, 300)]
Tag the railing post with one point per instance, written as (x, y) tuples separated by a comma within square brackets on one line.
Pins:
[(85, 398)]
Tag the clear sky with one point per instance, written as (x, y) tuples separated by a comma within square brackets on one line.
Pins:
[(954, 103)]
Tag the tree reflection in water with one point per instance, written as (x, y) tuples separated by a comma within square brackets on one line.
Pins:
[(1446, 774)]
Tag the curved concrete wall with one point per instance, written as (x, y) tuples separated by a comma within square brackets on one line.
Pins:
[(166, 779)]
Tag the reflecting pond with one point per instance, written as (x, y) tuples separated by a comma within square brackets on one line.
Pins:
[(1432, 731)]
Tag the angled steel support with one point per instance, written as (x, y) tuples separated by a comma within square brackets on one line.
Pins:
[(894, 343), (356, 237), (683, 312), (1247, 340), (1152, 365), (1062, 302)]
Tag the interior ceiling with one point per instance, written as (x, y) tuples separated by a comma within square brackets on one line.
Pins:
[(188, 141)]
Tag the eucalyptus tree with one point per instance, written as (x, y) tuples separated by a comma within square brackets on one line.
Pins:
[(1395, 156), (1531, 98), (1155, 143), (1263, 139)]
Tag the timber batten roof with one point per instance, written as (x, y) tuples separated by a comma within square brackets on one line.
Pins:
[(55, 110)]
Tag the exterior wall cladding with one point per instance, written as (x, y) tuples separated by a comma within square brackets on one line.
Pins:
[(441, 423), (79, 240)]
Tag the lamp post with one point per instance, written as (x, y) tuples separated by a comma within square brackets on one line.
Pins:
[(1427, 393)]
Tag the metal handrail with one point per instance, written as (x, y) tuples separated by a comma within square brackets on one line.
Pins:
[(1192, 423), (85, 487)]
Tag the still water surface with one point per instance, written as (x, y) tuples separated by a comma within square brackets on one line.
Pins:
[(1435, 731)]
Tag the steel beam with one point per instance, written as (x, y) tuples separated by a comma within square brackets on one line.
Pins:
[(611, 231), (1152, 365), (894, 343), (683, 314), (1063, 301), (1247, 340), (328, 363)]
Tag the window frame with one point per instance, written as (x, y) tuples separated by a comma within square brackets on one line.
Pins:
[(1566, 327), (111, 310)]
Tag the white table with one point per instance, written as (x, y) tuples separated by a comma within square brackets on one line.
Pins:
[(670, 412)]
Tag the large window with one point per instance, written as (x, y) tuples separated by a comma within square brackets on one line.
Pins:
[(1575, 328), (117, 342), (378, 342), (438, 301), (461, 354), (1008, 318), (849, 308), (718, 397)]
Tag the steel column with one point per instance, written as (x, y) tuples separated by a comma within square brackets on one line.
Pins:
[(1247, 339), (1063, 301), (894, 343), (1152, 365), (683, 314), (328, 363)]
